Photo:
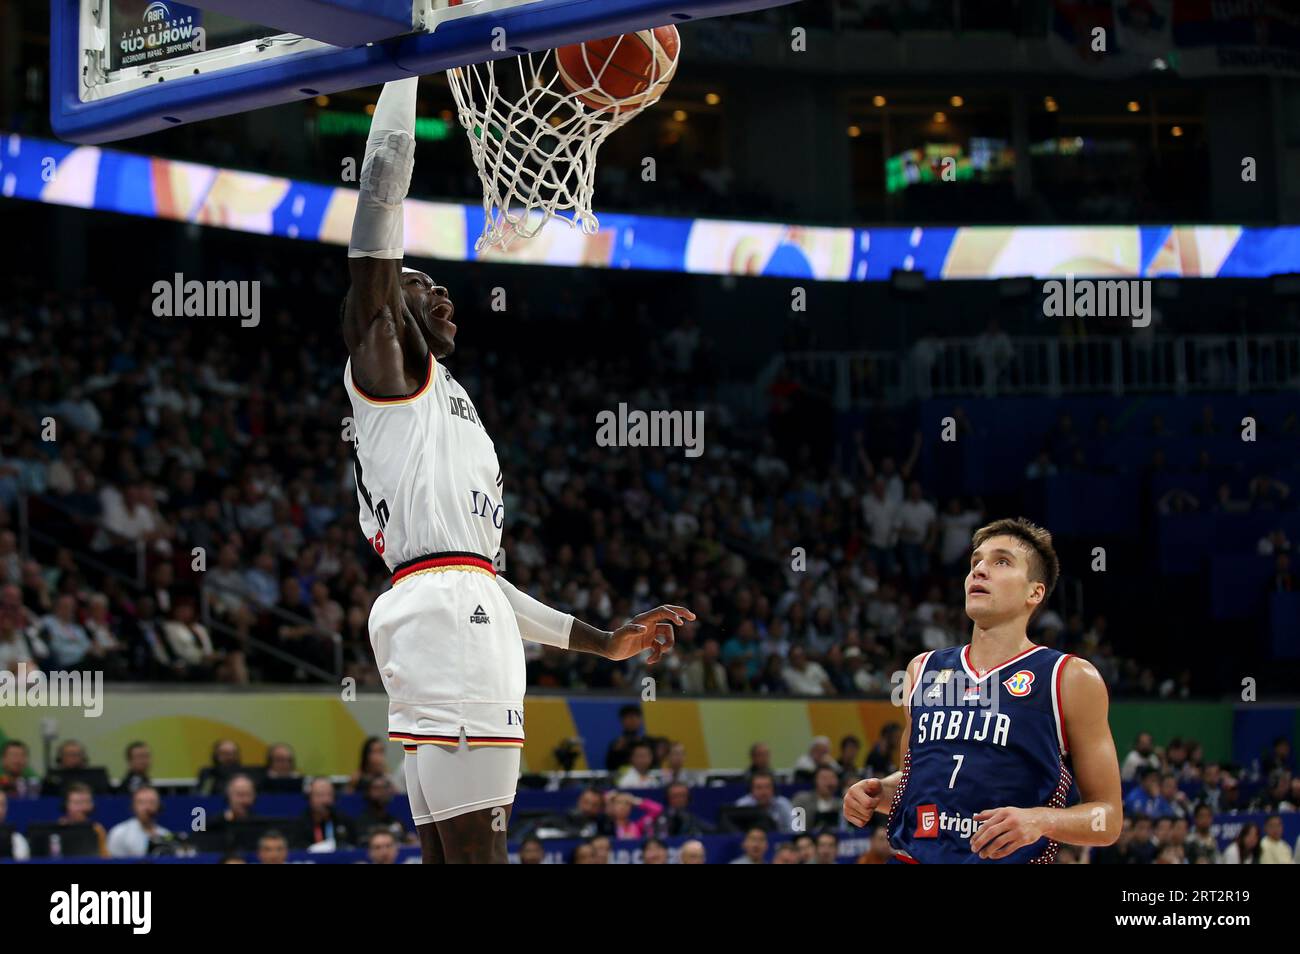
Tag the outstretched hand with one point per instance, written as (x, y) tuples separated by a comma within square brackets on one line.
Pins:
[(651, 630)]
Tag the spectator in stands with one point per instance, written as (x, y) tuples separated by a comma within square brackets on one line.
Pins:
[(1273, 796), (828, 847), (190, 645), (70, 757), (226, 763), (280, 775), (763, 795), (822, 804), (1291, 803), (621, 806), (381, 848), (241, 795), (1144, 845), (601, 850), (804, 677), (760, 760), (785, 854), (107, 652), (882, 760), (67, 639), (678, 819), (817, 756), (639, 773), (674, 769), (1200, 840), (620, 750), (654, 852), (19, 648), (704, 674), (376, 813), (272, 849), (1273, 850), (12, 843), (878, 851), (806, 848), (374, 761), (139, 762), (79, 809), (17, 778), (917, 531), (753, 848), (1180, 806), (1146, 799), (881, 517), (324, 828), (1279, 757), (149, 653), (132, 838), (692, 853), (850, 747), (583, 854), (531, 851), (1245, 848), (589, 818)]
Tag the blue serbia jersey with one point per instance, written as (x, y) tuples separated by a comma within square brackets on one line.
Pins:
[(979, 743)]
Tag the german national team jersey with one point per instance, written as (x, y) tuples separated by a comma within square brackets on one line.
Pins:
[(427, 475), (977, 743)]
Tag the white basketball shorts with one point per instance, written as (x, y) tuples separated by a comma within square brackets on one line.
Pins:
[(451, 659)]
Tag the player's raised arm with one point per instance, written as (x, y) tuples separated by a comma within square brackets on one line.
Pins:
[(373, 311), (1099, 816), (539, 623), (872, 795)]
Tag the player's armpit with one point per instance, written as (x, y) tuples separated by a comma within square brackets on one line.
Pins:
[(1085, 706)]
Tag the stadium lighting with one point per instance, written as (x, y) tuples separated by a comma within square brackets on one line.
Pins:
[(957, 102), (878, 101), (712, 99), (1134, 106)]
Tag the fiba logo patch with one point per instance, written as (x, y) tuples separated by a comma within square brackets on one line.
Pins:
[(927, 821), (1020, 684), (156, 13)]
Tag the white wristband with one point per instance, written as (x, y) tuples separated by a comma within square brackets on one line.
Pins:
[(538, 623)]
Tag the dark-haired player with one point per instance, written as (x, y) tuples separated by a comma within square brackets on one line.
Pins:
[(430, 491), (998, 729)]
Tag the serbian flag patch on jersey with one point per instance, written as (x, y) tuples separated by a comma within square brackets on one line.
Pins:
[(1020, 683)]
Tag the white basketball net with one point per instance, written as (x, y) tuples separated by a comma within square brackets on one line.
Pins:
[(534, 141)]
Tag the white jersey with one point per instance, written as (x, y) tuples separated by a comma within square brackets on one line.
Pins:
[(445, 637), (428, 480)]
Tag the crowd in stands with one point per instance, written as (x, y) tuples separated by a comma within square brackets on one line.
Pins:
[(192, 507), (1178, 808)]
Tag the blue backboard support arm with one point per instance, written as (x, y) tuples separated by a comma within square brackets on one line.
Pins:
[(455, 42)]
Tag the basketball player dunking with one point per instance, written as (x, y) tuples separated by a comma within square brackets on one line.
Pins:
[(994, 729), (447, 634)]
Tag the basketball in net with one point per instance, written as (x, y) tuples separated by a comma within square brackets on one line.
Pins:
[(620, 72), (536, 122)]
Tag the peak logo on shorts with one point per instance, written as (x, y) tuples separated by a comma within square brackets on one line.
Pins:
[(478, 616), (1020, 683)]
